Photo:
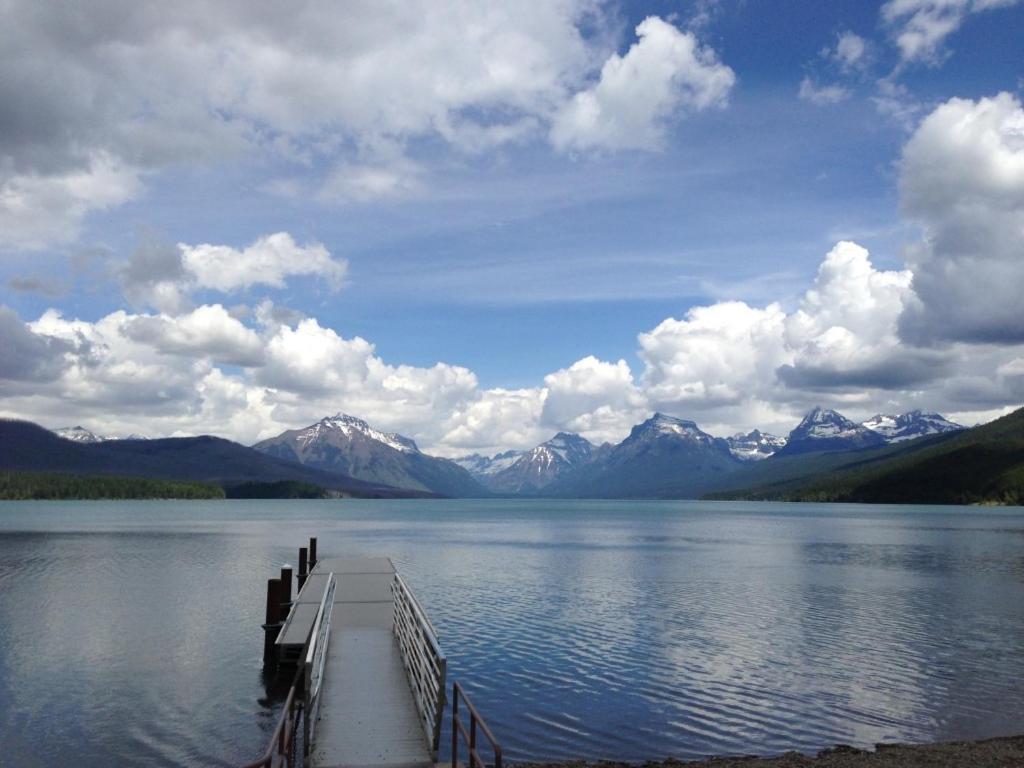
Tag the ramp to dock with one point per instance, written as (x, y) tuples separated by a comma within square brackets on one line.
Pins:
[(371, 710)]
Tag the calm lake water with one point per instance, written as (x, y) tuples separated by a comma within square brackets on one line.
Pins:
[(129, 631)]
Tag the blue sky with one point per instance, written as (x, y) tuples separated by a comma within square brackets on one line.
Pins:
[(483, 224)]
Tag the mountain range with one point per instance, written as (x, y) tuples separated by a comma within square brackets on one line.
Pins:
[(662, 457), (27, 447), (530, 473)]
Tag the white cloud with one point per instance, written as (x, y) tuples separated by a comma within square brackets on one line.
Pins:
[(845, 333), (823, 94), (850, 51), (921, 27), (716, 356), (207, 331), (962, 179), (596, 398), (664, 72), (495, 421), (165, 276), (397, 179), (268, 261), (729, 361), (38, 209)]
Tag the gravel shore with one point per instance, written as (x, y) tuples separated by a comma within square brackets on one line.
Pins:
[(1005, 752)]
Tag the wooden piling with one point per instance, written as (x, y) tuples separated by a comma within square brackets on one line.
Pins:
[(303, 569), (286, 591), (312, 552), (272, 624)]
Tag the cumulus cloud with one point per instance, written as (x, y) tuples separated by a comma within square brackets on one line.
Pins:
[(207, 331), (664, 72), (27, 356), (268, 261), (164, 276), (845, 333), (962, 179), (717, 355), (593, 396), (497, 420), (730, 360), (920, 27)]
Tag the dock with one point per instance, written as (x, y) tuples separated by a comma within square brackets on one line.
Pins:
[(370, 676)]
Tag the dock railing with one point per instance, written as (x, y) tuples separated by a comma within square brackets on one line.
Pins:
[(469, 734), (425, 662), (303, 701)]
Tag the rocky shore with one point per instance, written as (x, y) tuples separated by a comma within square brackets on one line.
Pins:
[(1007, 752)]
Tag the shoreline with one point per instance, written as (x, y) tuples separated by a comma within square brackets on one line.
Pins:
[(998, 752)]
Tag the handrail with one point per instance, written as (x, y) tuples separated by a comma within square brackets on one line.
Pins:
[(281, 750), (458, 727), (424, 661), (316, 657), (303, 700)]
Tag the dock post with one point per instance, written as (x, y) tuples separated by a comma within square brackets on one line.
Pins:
[(302, 567), (271, 625), (286, 590), (312, 552)]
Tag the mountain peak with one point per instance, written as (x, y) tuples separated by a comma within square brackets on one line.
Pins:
[(661, 424), (754, 445), (351, 426), (78, 434), (346, 444), (823, 429), (907, 426)]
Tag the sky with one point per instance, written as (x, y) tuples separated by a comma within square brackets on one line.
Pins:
[(481, 223)]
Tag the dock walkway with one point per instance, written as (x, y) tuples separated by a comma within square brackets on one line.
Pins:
[(369, 687)]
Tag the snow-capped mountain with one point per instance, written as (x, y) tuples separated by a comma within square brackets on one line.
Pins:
[(907, 426), (536, 469), (481, 467), (826, 430), (662, 457), (343, 443), (82, 435), (78, 434), (755, 445)]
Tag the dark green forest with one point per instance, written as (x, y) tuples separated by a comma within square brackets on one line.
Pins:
[(50, 485)]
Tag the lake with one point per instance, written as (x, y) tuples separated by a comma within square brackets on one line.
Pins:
[(130, 631)]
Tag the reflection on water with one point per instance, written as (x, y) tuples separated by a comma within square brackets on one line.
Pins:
[(129, 632)]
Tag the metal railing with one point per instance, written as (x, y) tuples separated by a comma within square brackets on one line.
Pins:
[(469, 735), (316, 656), (303, 700), (425, 662), (281, 750)]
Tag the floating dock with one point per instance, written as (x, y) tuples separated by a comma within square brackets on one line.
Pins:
[(370, 679)]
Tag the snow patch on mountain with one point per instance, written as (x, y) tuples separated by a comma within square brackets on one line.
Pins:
[(907, 426), (350, 426), (755, 445), (661, 426), (479, 465), (78, 434)]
